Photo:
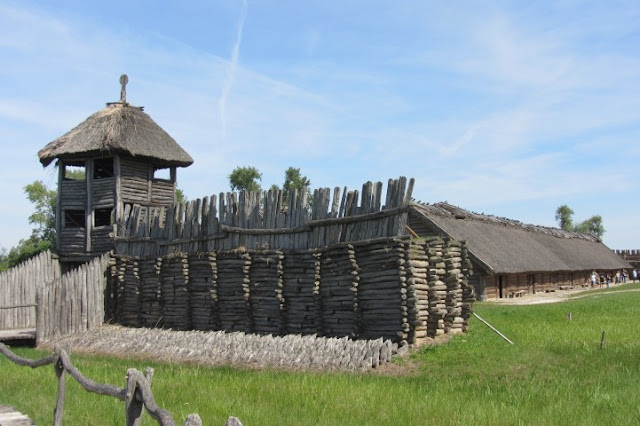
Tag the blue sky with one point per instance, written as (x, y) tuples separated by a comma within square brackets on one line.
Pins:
[(509, 108)]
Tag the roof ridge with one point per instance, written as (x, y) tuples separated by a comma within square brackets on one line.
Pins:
[(447, 210)]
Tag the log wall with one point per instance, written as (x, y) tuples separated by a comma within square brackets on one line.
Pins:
[(73, 194), (532, 283), (631, 256), (162, 192), (134, 181), (390, 288), (103, 192)]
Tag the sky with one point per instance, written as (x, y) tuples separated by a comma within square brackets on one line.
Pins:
[(509, 108)]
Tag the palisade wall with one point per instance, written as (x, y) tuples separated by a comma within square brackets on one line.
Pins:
[(19, 287), (74, 302), (262, 220)]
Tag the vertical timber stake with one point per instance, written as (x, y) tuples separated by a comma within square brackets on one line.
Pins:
[(602, 340)]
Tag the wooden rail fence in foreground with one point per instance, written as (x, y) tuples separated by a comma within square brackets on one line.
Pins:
[(136, 395)]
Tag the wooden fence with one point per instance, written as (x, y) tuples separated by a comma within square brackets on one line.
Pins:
[(74, 302), (137, 394), (262, 220), (19, 288), (34, 295)]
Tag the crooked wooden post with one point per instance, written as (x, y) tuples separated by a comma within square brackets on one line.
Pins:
[(58, 367)]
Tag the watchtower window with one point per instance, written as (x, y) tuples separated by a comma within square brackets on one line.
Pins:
[(103, 168), (162, 173), (74, 171), (103, 217), (74, 219)]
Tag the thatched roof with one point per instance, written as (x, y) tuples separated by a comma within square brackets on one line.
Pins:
[(501, 245), (119, 128)]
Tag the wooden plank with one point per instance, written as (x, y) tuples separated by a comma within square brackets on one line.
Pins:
[(18, 334)]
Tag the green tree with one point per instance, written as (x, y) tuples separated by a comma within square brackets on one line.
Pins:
[(44, 216), (43, 235), (564, 217), (245, 179), (293, 179), (180, 197), (592, 226)]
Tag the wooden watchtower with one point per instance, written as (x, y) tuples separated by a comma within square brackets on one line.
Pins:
[(117, 157)]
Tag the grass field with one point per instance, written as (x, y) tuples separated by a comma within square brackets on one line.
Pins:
[(555, 374)]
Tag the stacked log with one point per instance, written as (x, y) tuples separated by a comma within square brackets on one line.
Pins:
[(391, 288), (150, 293), (201, 282), (437, 291), (453, 262), (131, 294), (418, 289), (232, 306), (174, 283), (468, 294), (118, 289), (317, 294), (337, 290), (266, 292), (299, 272), (112, 298), (379, 291)]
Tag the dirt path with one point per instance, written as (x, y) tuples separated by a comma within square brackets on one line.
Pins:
[(559, 296)]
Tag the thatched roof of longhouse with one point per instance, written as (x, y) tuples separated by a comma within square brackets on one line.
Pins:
[(503, 245), (119, 128)]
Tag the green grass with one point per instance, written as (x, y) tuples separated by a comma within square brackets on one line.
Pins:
[(555, 374)]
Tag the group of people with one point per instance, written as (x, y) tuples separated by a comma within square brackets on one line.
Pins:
[(620, 277)]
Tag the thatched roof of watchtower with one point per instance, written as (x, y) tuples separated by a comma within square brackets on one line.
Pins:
[(120, 128)]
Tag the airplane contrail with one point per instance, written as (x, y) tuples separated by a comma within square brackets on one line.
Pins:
[(231, 70)]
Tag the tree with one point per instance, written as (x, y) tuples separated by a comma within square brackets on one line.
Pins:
[(592, 226), (245, 179), (564, 218), (44, 216), (43, 236), (293, 179), (180, 197)]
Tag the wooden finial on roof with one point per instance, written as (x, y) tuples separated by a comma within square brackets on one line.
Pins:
[(123, 91)]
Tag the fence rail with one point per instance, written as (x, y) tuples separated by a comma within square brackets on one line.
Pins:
[(136, 395)]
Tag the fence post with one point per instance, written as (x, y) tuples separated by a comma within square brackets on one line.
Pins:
[(132, 404), (58, 367)]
